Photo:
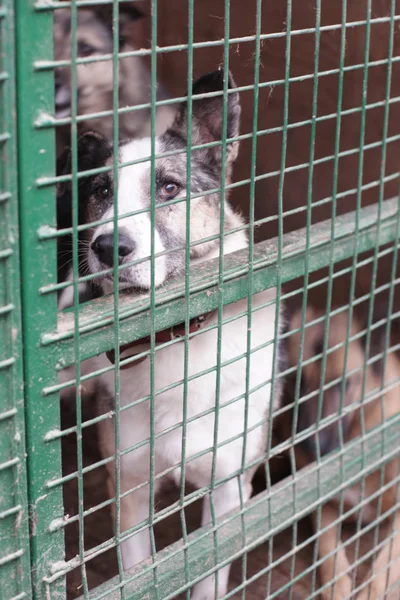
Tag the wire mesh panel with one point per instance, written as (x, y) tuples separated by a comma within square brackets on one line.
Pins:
[(14, 512), (177, 354)]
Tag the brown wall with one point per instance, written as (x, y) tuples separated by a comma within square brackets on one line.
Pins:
[(209, 25)]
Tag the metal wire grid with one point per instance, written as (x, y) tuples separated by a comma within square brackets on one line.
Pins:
[(83, 332), (14, 554)]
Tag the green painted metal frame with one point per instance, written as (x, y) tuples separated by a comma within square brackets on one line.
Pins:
[(36, 158), (15, 578)]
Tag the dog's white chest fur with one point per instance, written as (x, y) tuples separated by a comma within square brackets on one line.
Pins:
[(241, 418)]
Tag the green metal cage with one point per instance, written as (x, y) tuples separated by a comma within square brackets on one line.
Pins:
[(324, 228)]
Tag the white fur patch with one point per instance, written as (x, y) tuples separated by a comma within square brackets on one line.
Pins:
[(133, 183)]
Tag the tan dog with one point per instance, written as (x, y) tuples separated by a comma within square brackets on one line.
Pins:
[(94, 38), (337, 567)]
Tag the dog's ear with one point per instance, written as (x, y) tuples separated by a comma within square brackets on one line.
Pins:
[(129, 14), (208, 115), (93, 150), (130, 10), (63, 191)]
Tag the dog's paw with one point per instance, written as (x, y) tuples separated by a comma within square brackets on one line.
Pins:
[(341, 591), (371, 592), (205, 590)]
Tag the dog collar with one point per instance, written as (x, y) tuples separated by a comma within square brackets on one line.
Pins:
[(175, 332)]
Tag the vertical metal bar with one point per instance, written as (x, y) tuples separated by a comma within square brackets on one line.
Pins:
[(355, 256), (281, 186), (220, 276), (15, 574), (187, 282), (332, 262), (75, 284), (308, 244), (376, 259), (153, 390), (253, 166), (310, 178), (36, 159), (117, 378)]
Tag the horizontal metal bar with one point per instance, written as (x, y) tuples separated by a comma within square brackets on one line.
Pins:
[(4, 137), (4, 310), (261, 518), (6, 253), (11, 512), (45, 120), (20, 596), (49, 65), (48, 5), (8, 414), (96, 319), (10, 463), (10, 557), (47, 232), (5, 196), (7, 362)]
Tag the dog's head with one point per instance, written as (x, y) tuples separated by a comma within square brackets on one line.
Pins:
[(169, 181), (94, 37), (343, 375)]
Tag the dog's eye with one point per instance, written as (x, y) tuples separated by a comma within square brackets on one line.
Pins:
[(338, 386), (169, 190), (85, 49), (102, 193)]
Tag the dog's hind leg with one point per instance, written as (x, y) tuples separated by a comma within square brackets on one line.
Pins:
[(224, 498), (386, 567), (334, 567)]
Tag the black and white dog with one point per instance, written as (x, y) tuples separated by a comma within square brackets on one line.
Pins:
[(240, 434)]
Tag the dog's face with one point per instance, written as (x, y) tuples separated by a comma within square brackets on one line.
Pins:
[(94, 39), (135, 232), (339, 365)]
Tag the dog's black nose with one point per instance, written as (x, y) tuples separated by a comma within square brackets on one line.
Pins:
[(327, 438), (103, 246)]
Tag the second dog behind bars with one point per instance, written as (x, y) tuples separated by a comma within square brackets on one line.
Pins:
[(213, 429), (95, 79), (382, 373)]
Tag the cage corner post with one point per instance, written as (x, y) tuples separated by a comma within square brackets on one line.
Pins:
[(15, 579), (37, 209)]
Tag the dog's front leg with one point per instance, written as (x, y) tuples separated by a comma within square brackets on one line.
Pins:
[(224, 498), (334, 567), (386, 567), (134, 508)]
